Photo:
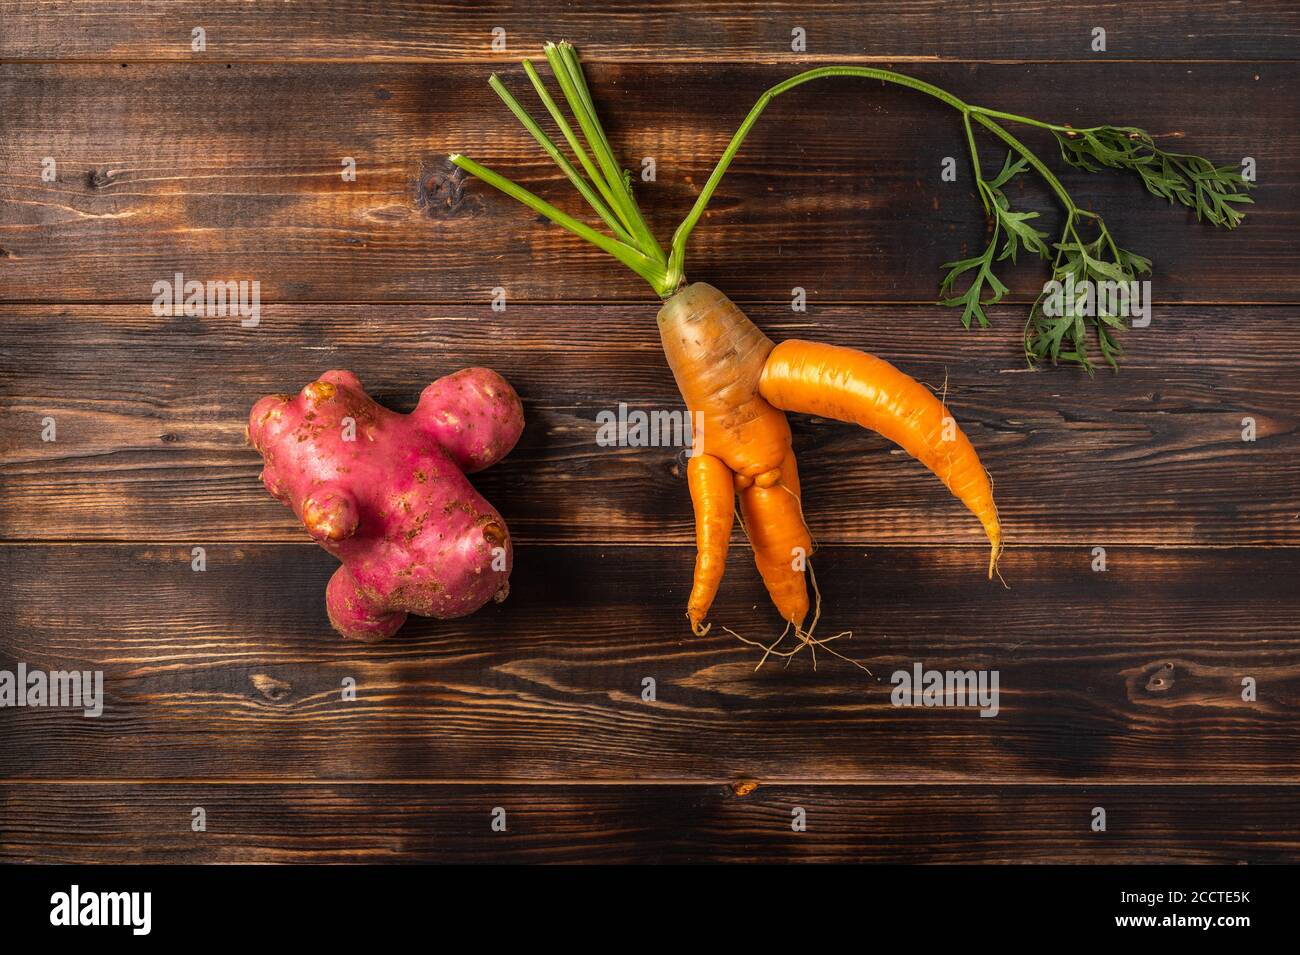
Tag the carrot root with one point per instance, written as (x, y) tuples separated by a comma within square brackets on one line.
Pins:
[(738, 385), (849, 385)]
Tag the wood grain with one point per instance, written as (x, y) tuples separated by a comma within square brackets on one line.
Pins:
[(1121, 689), (150, 415), (726, 30), (648, 824), (236, 174), (1133, 675)]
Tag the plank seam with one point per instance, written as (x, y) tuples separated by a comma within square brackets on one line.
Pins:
[(684, 544), (729, 62), (603, 303), (1271, 781)]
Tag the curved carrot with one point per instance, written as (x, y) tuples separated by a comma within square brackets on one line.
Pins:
[(713, 495), (739, 384), (849, 385), (777, 532)]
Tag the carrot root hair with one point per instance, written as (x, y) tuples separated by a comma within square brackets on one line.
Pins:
[(803, 638), (699, 627)]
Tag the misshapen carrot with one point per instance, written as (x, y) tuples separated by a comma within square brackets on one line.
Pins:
[(734, 378), (849, 385), (736, 382), (717, 356), (713, 495), (739, 385)]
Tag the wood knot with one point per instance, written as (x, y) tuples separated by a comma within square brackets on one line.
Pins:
[(743, 787), (441, 190), (1162, 681), (271, 688), (97, 179)]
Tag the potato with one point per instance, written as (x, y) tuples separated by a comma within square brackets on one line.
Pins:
[(386, 493)]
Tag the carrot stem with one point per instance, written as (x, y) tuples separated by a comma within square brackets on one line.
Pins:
[(677, 249), (574, 142), (557, 157), (568, 73), (643, 266), (1190, 180)]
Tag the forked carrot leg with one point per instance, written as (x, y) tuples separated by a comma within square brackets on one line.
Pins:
[(782, 545), (713, 495), (849, 385)]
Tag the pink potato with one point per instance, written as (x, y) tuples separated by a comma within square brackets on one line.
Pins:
[(386, 493)]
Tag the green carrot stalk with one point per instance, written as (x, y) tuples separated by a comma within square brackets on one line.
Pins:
[(1213, 192)]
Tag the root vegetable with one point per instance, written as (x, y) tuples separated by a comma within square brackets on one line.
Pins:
[(386, 493), (848, 385), (738, 384)]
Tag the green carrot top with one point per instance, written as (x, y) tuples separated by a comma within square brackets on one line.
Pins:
[(1212, 191)]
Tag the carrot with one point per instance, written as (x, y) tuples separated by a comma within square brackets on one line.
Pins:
[(712, 494), (739, 384), (717, 356), (722, 363), (848, 385)]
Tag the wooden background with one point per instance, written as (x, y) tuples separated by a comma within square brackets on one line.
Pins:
[(1119, 689)]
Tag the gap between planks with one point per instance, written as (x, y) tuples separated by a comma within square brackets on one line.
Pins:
[(648, 301), (740, 59), (783, 782), (893, 545)]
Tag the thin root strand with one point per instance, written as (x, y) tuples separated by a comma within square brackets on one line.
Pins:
[(805, 638)]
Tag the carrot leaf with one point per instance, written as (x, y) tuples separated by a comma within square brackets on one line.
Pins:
[(1016, 230), (1193, 181), (1215, 193), (1071, 304), (973, 301)]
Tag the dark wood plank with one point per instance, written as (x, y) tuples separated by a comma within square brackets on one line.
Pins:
[(648, 824), (1133, 675), (151, 412), (235, 174), (922, 29)]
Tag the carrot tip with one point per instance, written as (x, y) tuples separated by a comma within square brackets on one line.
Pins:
[(995, 554)]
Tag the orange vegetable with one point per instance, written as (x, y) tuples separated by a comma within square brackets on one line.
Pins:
[(713, 495), (717, 355), (848, 385), (738, 384), (782, 545)]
